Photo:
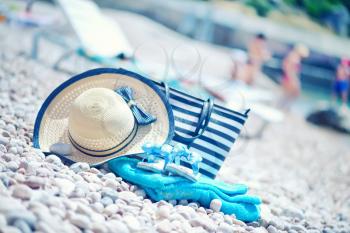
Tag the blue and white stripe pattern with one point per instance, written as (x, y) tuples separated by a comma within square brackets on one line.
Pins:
[(214, 144)]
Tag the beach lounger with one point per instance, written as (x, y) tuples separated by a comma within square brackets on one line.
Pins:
[(100, 39)]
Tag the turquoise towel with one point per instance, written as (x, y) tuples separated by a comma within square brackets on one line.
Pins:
[(162, 187)]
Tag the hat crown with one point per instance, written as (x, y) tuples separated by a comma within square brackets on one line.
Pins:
[(100, 119)]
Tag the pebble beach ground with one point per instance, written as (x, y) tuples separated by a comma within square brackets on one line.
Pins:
[(301, 172)]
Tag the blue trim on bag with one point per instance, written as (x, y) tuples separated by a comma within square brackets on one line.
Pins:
[(214, 121), (186, 111), (208, 151), (201, 170), (95, 72), (194, 104), (214, 131), (203, 137), (215, 105)]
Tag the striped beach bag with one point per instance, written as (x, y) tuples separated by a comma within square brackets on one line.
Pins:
[(204, 127)]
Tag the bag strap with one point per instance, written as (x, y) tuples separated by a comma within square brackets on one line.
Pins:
[(203, 121)]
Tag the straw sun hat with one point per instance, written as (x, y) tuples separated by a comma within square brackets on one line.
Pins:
[(102, 114)]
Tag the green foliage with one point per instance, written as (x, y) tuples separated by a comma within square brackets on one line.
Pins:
[(262, 7), (317, 8)]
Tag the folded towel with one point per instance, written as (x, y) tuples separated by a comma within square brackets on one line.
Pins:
[(162, 187)]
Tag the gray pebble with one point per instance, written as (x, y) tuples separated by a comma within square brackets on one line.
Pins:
[(10, 229), (293, 213), (54, 160), (4, 140), (12, 165), (141, 193), (24, 215), (111, 193), (3, 221), (106, 201), (193, 205), (80, 167), (62, 149), (23, 226), (272, 229), (183, 202), (253, 224)]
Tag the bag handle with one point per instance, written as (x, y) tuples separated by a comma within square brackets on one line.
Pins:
[(204, 118)]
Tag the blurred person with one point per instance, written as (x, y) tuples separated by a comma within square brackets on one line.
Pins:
[(291, 70), (258, 53), (342, 82), (239, 58)]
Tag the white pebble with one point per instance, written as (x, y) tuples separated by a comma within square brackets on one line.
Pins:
[(65, 186), (163, 212), (22, 191), (215, 205)]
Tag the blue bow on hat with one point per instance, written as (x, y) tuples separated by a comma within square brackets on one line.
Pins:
[(141, 116)]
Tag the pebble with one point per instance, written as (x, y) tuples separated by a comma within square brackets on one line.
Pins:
[(215, 205), (98, 207), (293, 213), (164, 226), (9, 229), (65, 186), (44, 227), (98, 227), (4, 140), (272, 229), (132, 223), (200, 221), (112, 225), (22, 191), (54, 160), (126, 196), (61, 149), (3, 221), (24, 215), (224, 228), (163, 212), (111, 209), (80, 167), (35, 182), (140, 193), (80, 221), (22, 226), (106, 201), (111, 193), (259, 230)]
